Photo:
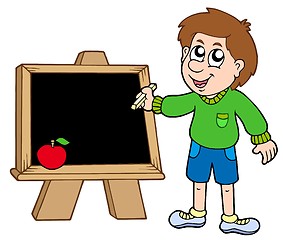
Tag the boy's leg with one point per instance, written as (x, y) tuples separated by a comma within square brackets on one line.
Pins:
[(198, 171), (227, 192), (199, 196), (226, 174), (230, 222)]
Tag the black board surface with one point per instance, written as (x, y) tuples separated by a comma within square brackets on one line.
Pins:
[(93, 112)]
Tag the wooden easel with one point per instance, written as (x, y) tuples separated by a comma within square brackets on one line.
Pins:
[(57, 199)]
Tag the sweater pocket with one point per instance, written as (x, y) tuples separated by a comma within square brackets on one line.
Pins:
[(222, 119)]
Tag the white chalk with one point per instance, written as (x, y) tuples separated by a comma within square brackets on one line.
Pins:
[(141, 97)]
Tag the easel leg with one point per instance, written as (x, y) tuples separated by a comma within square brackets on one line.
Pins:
[(57, 200), (124, 199)]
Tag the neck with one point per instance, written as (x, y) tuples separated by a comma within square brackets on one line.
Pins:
[(212, 95)]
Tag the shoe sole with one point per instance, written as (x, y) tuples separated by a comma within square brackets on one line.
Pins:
[(234, 230), (185, 225)]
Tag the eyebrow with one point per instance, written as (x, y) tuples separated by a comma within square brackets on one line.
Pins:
[(199, 40), (217, 44)]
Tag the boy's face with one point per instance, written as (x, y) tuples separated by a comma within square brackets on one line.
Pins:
[(207, 65)]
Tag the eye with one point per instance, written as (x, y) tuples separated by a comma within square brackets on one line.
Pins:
[(215, 58), (197, 53)]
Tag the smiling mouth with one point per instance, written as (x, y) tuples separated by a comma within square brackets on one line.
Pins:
[(202, 83)]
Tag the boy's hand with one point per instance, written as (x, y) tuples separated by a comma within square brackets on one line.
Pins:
[(268, 151), (149, 98)]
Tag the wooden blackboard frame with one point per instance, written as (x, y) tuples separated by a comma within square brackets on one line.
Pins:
[(58, 196), (24, 170)]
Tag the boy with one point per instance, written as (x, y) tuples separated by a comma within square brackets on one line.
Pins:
[(218, 55)]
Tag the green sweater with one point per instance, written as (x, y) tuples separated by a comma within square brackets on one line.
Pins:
[(214, 122)]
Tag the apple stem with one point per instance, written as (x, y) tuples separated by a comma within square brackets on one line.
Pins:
[(52, 143)]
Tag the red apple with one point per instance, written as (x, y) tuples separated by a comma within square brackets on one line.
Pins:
[(51, 157)]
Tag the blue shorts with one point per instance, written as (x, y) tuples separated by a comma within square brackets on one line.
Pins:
[(202, 160)]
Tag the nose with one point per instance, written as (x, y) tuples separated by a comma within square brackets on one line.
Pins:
[(196, 66)]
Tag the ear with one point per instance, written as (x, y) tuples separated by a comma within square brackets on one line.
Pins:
[(185, 52), (239, 66)]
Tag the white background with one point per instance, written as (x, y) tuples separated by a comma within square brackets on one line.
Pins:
[(139, 32)]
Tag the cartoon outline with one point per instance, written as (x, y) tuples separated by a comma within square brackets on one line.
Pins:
[(205, 39)]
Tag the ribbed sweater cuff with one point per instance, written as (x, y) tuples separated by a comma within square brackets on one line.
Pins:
[(261, 138), (156, 105)]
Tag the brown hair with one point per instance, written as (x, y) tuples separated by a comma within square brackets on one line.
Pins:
[(220, 24)]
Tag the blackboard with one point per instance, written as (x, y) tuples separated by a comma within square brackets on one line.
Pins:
[(90, 106), (93, 112)]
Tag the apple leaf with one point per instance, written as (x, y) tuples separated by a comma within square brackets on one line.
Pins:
[(62, 141)]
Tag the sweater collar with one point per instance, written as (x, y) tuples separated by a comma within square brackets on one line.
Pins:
[(215, 99)]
